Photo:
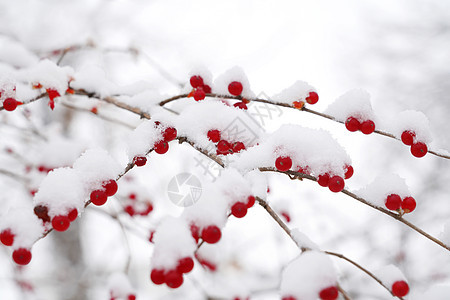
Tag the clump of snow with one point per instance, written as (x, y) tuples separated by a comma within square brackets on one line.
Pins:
[(384, 185), (95, 166), (173, 241), (312, 148), (296, 92), (414, 121), (24, 224), (15, 53), (390, 274), (61, 190), (144, 100), (258, 183), (234, 74), (302, 240), (435, 292), (143, 138), (49, 75), (234, 124), (58, 152), (93, 78), (354, 103), (445, 235), (307, 275), (120, 286), (203, 72)]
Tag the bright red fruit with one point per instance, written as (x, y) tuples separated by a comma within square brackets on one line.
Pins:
[(21, 256), (367, 127), (241, 105), (174, 279), (223, 147), (329, 293), (129, 210), (157, 276), (238, 146), (400, 288), (323, 179), (214, 135), (196, 81), (60, 223), (251, 201), (207, 89), (185, 265), (235, 88), (10, 104), (211, 234), (393, 202), (336, 184), (7, 237), (161, 147), (408, 204), (98, 197), (419, 149), (199, 94), (110, 187), (239, 209), (283, 163), (286, 216), (41, 211), (73, 214), (288, 298), (408, 137), (131, 297), (352, 124), (312, 98), (195, 232), (169, 134), (140, 161), (348, 172)]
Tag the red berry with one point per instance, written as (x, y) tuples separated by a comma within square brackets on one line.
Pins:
[(241, 105), (235, 88), (157, 276), (7, 237), (238, 146), (250, 201), (132, 196), (367, 127), (98, 197), (348, 172), (336, 184), (199, 94), (207, 89), (140, 161), (174, 279), (400, 288), (52, 94), (161, 147), (352, 124), (21, 256), (239, 209), (419, 149), (152, 235), (286, 216), (73, 214), (393, 202), (131, 297), (288, 298), (312, 98), (60, 223), (110, 187), (211, 234), (214, 135), (223, 147), (195, 232), (169, 134), (196, 81), (298, 104), (408, 137), (185, 265), (41, 212), (10, 104), (408, 204), (283, 163), (129, 209), (148, 210), (323, 179), (329, 293)]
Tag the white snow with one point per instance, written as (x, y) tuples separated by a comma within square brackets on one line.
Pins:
[(302, 240), (412, 120), (234, 74), (354, 103), (390, 274), (120, 286), (142, 139), (296, 92)]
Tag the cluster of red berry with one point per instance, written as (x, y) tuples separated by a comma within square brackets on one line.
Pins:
[(418, 149), (239, 209), (129, 297), (173, 277), (395, 202), (312, 98), (211, 234), (21, 256), (334, 182), (135, 207), (99, 197), (329, 293), (160, 147), (356, 123), (224, 147)]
